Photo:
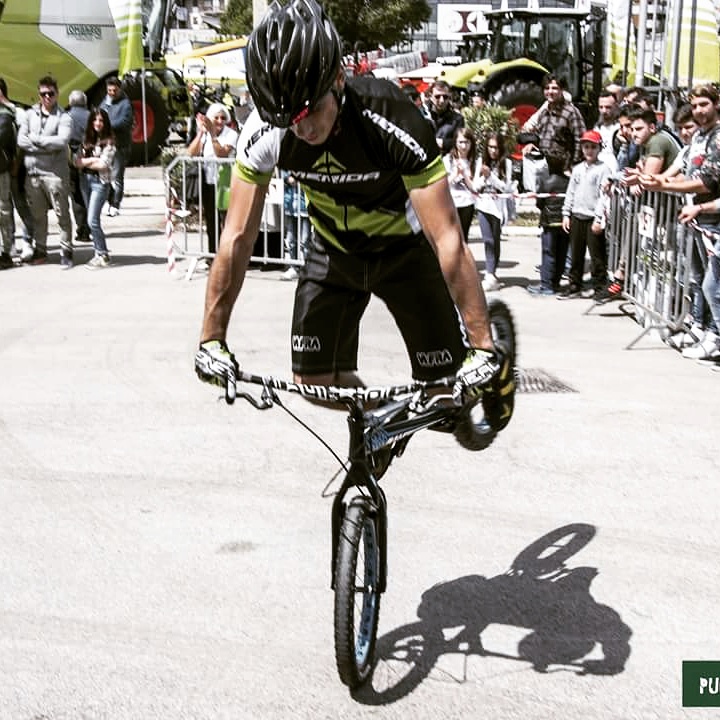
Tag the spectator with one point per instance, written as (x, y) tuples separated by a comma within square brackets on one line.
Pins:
[(43, 136), (415, 98), (583, 218), (95, 159), (626, 151), (702, 179), (555, 123), (117, 105), (214, 139), (297, 224), (607, 125), (687, 126), (657, 150), (8, 152), (445, 120), (554, 238), (493, 176), (477, 100), (461, 163), (79, 114)]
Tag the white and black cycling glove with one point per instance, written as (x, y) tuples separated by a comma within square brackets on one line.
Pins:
[(215, 364)]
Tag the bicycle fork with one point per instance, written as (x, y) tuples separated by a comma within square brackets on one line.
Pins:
[(360, 476)]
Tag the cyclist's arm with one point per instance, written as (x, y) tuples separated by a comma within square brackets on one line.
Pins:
[(441, 225), (227, 274)]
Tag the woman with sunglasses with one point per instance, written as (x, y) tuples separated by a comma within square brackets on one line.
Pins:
[(95, 159)]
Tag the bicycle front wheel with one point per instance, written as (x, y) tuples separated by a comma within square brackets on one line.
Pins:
[(357, 597)]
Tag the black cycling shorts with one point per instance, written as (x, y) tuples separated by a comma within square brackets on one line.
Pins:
[(334, 289)]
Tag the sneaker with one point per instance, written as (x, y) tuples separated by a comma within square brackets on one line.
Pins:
[(66, 260), (290, 274), (490, 283), (98, 262), (686, 338), (5, 261), (707, 349), (27, 253), (602, 295), (37, 258), (570, 292), (113, 211), (539, 290)]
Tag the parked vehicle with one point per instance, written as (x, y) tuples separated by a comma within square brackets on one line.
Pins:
[(82, 43)]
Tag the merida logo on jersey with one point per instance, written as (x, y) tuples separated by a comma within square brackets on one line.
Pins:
[(305, 343), (404, 137), (434, 358), (328, 170)]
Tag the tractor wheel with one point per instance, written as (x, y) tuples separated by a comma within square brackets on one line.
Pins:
[(156, 119), (524, 96)]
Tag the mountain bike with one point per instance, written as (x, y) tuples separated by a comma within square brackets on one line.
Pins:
[(381, 421)]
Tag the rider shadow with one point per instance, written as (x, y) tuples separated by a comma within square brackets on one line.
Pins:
[(569, 630)]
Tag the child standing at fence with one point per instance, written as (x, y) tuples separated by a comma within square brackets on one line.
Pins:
[(584, 218), (493, 176), (554, 239), (297, 224)]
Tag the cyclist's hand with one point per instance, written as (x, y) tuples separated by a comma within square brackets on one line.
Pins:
[(476, 374), (215, 364), (490, 375)]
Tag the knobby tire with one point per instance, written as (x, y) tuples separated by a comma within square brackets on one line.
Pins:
[(357, 574)]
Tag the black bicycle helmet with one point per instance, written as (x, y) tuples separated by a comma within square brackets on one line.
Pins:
[(293, 57)]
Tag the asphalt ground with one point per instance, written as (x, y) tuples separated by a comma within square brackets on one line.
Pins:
[(164, 555)]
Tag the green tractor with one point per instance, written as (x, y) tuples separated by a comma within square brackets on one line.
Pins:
[(507, 64)]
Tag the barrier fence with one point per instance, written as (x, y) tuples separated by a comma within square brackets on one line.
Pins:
[(189, 199), (645, 242), (653, 253)]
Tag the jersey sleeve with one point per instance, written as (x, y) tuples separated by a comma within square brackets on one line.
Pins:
[(258, 150), (409, 139)]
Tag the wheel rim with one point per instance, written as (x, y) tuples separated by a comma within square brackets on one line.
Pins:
[(522, 113), (366, 579), (137, 128)]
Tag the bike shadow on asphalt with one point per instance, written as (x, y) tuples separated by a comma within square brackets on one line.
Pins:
[(569, 630)]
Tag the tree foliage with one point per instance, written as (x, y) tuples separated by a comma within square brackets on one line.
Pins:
[(368, 22), (237, 18), (374, 23)]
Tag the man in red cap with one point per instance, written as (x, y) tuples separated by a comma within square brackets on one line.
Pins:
[(584, 218)]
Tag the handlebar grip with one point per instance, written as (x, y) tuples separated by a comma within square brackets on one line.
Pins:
[(230, 388)]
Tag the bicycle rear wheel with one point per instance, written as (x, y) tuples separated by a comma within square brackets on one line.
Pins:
[(357, 597), (472, 430)]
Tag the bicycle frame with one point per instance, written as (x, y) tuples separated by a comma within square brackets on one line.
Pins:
[(369, 431)]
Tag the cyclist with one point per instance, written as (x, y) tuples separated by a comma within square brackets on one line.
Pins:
[(384, 220)]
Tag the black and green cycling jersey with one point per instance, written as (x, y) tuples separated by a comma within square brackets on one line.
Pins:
[(357, 182)]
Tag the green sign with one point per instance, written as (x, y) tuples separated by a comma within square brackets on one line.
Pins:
[(701, 683)]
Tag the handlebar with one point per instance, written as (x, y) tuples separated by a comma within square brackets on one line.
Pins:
[(328, 393)]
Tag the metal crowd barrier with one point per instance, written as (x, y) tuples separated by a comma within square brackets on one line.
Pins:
[(653, 250), (187, 227)]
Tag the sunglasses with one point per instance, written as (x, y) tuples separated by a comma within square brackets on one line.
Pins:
[(441, 97), (47, 93)]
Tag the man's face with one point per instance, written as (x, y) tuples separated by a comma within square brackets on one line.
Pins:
[(640, 131), (315, 127), (553, 92), (704, 111), (440, 97), (48, 97), (625, 127), (687, 130), (113, 90), (606, 109)]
